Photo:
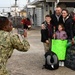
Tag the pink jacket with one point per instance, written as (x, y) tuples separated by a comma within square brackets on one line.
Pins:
[(61, 35)]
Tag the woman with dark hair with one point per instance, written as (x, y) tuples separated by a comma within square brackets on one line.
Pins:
[(68, 24)]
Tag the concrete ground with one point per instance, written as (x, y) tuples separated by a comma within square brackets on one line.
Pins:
[(31, 62)]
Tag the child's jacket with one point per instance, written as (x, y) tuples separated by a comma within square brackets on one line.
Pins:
[(61, 35)]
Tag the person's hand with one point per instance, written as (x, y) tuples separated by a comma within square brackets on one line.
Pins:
[(47, 41), (62, 39), (43, 26), (72, 41), (21, 22), (25, 33), (54, 36)]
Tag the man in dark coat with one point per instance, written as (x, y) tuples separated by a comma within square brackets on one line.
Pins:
[(57, 17)]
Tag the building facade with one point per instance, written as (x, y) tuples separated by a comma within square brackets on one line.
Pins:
[(44, 7)]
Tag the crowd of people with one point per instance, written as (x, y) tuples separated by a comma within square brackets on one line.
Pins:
[(59, 25)]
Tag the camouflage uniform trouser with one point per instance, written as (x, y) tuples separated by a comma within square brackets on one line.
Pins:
[(47, 46), (3, 70)]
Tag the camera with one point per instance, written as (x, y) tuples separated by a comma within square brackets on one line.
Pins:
[(21, 31)]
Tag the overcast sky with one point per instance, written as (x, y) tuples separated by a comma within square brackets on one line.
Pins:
[(9, 3)]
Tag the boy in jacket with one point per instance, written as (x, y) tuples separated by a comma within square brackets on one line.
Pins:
[(46, 33)]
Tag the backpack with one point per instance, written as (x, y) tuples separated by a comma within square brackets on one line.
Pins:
[(70, 57), (51, 61)]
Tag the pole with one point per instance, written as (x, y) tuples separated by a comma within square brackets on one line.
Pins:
[(15, 7), (15, 13), (56, 3)]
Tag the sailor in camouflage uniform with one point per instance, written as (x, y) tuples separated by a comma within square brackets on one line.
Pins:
[(9, 42)]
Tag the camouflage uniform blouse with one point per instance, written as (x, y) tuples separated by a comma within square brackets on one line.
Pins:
[(9, 42)]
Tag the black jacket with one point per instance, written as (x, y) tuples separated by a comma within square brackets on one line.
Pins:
[(55, 22), (68, 24), (74, 27), (45, 33)]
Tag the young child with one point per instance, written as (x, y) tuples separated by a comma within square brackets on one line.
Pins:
[(60, 34), (9, 42), (46, 33)]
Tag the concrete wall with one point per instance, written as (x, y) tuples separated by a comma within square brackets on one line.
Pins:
[(46, 9), (41, 12), (39, 16)]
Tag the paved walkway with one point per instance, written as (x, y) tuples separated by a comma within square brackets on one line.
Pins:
[(31, 62)]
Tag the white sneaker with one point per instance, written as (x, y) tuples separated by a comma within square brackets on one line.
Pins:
[(62, 63)]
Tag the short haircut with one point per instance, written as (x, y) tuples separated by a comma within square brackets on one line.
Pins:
[(3, 22), (47, 16), (58, 7)]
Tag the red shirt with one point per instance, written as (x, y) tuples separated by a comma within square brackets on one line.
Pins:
[(26, 22), (23, 21), (50, 30)]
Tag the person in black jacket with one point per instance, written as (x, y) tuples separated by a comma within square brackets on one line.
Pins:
[(57, 18), (73, 24), (68, 24), (46, 33)]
